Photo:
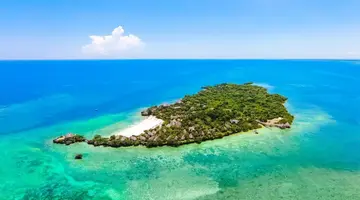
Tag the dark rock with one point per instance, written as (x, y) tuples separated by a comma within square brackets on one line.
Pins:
[(69, 139), (283, 126), (287, 125), (78, 156), (145, 113), (59, 139)]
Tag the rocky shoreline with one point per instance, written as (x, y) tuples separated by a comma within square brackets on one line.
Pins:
[(149, 139), (275, 123), (69, 139)]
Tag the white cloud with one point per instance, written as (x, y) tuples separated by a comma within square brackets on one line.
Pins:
[(115, 45)]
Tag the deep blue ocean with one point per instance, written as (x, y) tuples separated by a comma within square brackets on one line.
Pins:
[(317, 159)]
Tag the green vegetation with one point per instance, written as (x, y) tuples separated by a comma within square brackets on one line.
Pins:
[(214, 112), (69, 139)]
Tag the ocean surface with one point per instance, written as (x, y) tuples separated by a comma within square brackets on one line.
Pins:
[(319, 158)]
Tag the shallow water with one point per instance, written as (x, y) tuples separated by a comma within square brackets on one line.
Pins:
[(317, 159)]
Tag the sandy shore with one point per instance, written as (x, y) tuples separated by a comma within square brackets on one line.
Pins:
[(137, 129)]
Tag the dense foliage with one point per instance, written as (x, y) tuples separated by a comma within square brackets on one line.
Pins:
[(69, 139), (214, 112)]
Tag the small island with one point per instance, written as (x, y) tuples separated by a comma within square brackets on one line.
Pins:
[(212, 113)]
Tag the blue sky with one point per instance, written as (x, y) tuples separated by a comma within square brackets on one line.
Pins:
[(43, 29)]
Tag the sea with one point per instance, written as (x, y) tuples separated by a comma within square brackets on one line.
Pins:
[(318, 158)]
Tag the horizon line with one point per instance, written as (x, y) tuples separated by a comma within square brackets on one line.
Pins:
[(124, 59)]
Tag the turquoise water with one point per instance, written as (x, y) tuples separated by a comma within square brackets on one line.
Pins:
[(317, 159)]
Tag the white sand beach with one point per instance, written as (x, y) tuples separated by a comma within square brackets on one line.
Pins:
[(137, 129)]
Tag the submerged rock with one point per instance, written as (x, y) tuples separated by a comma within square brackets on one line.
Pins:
[(78, 156)]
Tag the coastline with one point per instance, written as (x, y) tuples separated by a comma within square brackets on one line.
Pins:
[(197, 118), (150, 122)]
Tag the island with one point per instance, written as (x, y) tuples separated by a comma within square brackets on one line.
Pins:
[(212, 113)]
